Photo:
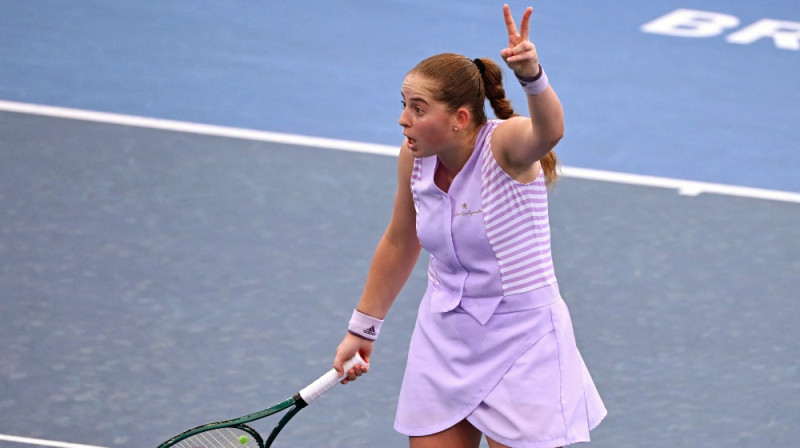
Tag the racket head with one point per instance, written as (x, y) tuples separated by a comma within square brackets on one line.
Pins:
[(201, 436), (235, 433), (238, 436)]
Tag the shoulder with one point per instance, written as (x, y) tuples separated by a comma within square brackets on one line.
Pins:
[(402, 224), (506, 141), (509, 132), (488, 129), (405, 160)]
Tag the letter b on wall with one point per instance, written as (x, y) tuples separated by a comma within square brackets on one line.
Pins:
[(691, 23)]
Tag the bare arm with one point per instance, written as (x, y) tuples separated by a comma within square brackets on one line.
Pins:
[(392, 263), (521, 142), (397, 251)]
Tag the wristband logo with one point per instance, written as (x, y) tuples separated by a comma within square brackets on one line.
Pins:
[(370, 331)]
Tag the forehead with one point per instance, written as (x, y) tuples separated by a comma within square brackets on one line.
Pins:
[(418, 87)]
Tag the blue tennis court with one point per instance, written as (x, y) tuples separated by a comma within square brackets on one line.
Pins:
[(190, 194)]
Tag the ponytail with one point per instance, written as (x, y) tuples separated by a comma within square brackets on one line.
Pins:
[(492, 76)]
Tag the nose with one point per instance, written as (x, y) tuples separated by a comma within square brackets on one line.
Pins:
[(402, 121)]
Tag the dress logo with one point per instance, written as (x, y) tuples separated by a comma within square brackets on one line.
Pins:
[(465, 211)]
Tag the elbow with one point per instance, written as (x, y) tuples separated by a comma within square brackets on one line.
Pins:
[(543, 145), (558, 133), (549, 133), (556, 138), (553, 138)]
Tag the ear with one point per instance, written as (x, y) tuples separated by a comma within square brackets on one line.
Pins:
[(461, 118)]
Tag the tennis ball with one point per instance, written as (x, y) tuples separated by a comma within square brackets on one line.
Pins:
[(243, 440)]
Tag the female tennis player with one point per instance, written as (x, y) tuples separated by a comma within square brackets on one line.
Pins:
[(493, 351)]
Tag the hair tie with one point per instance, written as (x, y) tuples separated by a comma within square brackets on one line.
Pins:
[(478, 63)]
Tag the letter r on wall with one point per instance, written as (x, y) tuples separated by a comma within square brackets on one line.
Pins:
[(785, 34)]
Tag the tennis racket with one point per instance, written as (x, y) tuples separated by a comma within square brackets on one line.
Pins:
[(235, 433)]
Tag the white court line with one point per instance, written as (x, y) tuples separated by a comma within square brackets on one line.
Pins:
[(683, 187), (40, 442), (196, 128)]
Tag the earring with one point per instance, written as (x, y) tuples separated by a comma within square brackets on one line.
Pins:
[(455, 128)]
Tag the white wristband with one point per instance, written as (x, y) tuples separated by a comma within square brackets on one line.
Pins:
[(535, 85), (364, 326)]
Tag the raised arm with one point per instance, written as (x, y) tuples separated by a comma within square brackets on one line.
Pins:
[(520, 142)]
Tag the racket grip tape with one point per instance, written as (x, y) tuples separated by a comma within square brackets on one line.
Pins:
[(327, 381)]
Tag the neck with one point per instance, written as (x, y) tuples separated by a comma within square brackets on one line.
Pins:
[(452, 161)]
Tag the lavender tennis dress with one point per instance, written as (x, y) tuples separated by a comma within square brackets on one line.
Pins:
[(493, 342)]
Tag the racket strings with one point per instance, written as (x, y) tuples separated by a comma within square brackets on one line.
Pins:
[(219, 438)]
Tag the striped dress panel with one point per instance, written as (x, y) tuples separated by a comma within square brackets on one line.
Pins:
[(517, 226)]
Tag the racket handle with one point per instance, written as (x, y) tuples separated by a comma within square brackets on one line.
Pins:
[(330, 379)]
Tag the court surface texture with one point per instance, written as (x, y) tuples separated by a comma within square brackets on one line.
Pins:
[(190, 195)]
